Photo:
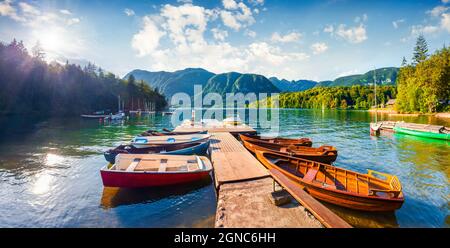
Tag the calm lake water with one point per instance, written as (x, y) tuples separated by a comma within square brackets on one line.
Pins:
[(49, 172)]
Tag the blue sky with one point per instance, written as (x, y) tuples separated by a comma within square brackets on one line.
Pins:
[(312, 39)]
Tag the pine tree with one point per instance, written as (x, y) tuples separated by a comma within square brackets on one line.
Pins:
[(38, 51), (420, 50), (404, 62)]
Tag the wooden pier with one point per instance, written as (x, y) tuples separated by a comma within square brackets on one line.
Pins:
[(244, 185)]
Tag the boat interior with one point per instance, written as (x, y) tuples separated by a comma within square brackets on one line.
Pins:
[(158, 164), (374, 183)]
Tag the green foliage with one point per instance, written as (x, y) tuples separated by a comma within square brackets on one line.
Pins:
[(357, 97), (420, 50), (30, 85), (425, 87)]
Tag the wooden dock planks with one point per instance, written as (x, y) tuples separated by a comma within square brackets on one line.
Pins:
[(232, 162), (323, 214)]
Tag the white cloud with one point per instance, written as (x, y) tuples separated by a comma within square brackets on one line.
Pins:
[(256, 2), (437, 11), (129, 12), (328, 29), (445, 1), (185, 46), (184, 1), (73, 21), (353, 35), (291, 37), (6, 9), (445, 22), (250, 33), (396, 23), (319, 47), (419, 29), (28, 9), (65, 12), (147, 40), (219, 35), (236, 15)]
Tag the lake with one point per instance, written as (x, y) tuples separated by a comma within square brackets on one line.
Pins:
[(49, 172)]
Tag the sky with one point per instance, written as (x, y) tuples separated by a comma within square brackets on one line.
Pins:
[(301, 39)]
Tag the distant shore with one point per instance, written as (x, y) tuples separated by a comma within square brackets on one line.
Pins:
[(392, 112)]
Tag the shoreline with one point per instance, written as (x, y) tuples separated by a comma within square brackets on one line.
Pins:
[(392, 112)]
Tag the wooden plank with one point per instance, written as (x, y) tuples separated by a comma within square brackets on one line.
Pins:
[(232, 162), (323, 214)]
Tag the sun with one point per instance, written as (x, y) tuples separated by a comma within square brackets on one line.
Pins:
[(51, 40)]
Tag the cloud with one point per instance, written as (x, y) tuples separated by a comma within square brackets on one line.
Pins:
[(419, 29), (73, 21), (437, 11), (65, 12), (396, 23), (236, 15), (445, 1), (28, 9), (147, 40), (219, 35), (6, 9), (319, 47), (183, 29), (256, 2), (353, 35), (129, 12), (291, 37), (445, 22), (328, 29), (250, 33)]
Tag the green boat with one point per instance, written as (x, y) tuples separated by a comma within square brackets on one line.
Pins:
[(422, 130)]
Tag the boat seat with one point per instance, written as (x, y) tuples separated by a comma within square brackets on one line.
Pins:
[(311, 175), (133, 164), (162, 165)]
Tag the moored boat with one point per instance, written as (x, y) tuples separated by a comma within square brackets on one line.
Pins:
[(280, 141), (323, 154), (168, 132), (198, 148), (148, 141), (423, 130), (150, 170), (373, 191)]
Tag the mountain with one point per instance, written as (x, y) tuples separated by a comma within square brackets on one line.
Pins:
[(385, 76), (170, 83), (291, 86), (233, 82)]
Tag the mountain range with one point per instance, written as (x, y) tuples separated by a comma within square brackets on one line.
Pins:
[(170, 83)]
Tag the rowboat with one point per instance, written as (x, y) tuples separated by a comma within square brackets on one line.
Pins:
[(148, 141), (323, 154), (119, 116), (423, 130), (149, 170), (233, 121), (95, 115), (374, 191), (280, 141), (168, 132), (198, 148)]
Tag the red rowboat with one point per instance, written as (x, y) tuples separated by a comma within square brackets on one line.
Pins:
[(148, 170)]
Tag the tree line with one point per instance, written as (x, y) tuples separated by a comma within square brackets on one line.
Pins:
[(31, 85), (424, 85)]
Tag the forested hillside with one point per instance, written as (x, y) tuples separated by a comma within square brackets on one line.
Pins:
[(31, 85)]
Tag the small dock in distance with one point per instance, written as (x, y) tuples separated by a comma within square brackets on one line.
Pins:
[(243, 187)]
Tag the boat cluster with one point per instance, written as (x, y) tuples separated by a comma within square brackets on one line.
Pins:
[(166, 158)]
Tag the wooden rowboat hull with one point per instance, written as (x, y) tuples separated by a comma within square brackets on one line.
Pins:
[(141, 180), (430, 135), (282, 141), (337, 197), (198, 148), (326, 159)]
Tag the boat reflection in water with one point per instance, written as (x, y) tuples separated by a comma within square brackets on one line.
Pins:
[(115, 197), (364, 219)]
